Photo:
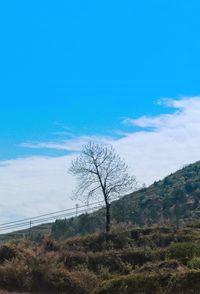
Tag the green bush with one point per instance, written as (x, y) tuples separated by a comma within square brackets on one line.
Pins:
[(183, 250), (194, 263), (183, 282)]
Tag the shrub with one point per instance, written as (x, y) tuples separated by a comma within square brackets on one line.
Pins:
[(150, 284), (73, 259), (50, 245), (194, 263), (40, 276), (87, 281), (136, 257), (58, 280), (104, 272), (166, 266), (114, 261), (7, 252), (183, 282), (14, 275), (99, 242), (183, 250)]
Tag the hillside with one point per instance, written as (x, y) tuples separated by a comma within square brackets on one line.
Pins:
[(174, 199), (134, 261), (36, 233)]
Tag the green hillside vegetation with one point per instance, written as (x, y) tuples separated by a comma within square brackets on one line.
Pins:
[(172, 200), (135, 260)]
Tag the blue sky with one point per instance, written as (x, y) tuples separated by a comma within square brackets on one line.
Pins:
[(75, 70), (88, 64)]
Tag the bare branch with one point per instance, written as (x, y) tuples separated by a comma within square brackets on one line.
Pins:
[(101, 172)]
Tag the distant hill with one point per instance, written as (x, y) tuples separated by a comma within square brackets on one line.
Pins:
[(36, 233), (175, 199)]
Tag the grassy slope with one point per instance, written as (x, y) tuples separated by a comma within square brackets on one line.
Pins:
[(152, 260)]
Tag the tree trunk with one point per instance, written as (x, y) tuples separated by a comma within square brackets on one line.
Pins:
[(107, 217)]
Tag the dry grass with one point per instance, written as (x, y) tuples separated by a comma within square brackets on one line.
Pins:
[(80, 265)]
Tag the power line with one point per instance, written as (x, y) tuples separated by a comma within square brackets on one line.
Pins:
[(41, 221), (42, 215), (50, 216)]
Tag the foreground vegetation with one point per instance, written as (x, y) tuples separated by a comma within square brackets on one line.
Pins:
[(126, 260)]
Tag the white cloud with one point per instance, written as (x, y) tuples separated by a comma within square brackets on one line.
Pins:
[(173, 141), (72, 144), (36, 185)]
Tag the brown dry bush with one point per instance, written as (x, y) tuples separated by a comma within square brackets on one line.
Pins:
[(7, 252), (99, 242), (14, 275), (34, 271), (50, 245), (116, 262)]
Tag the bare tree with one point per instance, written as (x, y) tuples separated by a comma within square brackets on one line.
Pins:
[(101, 173)]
